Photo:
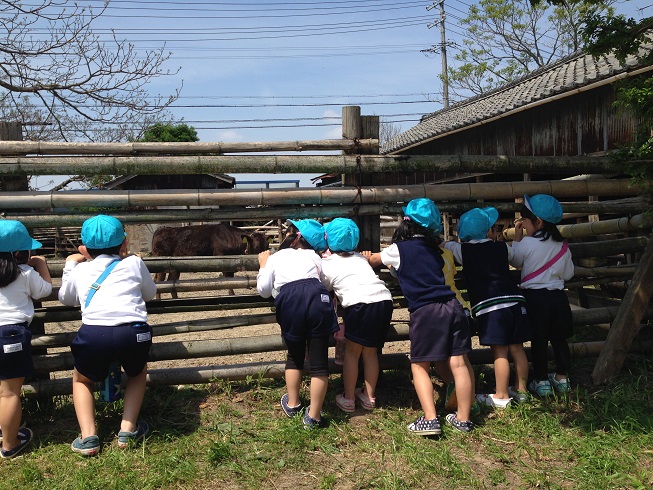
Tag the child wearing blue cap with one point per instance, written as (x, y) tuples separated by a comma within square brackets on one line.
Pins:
[(304, 311), (439, 331), (367, 311), (20, 283), (496, 302), (111, 289), (546, 264)]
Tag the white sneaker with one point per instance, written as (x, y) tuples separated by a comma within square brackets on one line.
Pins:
[(493, 402)]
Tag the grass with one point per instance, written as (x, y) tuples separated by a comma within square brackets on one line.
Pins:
[(233, 435)]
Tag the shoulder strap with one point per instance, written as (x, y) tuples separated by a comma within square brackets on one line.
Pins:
[(96, 285), (539, 271)]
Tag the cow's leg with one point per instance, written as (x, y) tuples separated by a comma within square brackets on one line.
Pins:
[(159, 277), (172, 277), (229, 274)]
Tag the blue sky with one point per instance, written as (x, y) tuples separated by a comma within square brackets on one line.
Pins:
[(282, 70)]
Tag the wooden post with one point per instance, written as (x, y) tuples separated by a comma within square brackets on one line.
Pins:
[(627, 323), (355, 126)]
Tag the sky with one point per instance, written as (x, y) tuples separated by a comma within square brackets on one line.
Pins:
[(282, 70)]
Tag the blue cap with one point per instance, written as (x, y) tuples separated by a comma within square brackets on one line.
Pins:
[(342, 235), (312, 231), (424, 212), (545, 207), (14, 237), (475, 223), (102, 231)]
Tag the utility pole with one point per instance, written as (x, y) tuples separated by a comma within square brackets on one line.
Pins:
[(442, 49)]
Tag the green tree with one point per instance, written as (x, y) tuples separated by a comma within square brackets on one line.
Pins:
[(61, 79), (169, 133), (507, 39)]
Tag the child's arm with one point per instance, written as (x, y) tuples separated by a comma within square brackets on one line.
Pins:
[(373, 258), (38, 263), (519, 231), (265, 277)]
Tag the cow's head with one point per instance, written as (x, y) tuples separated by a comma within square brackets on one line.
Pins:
[(255, 243)]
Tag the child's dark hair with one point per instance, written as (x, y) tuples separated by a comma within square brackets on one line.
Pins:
[(408, 229), (8, 268), (549, 230), (94, 252), (291, 239)]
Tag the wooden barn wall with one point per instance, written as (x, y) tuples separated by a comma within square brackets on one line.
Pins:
[(580, 124)]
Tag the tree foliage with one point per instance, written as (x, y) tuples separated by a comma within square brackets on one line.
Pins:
[(160, 132), (507, 39), (64, 82)]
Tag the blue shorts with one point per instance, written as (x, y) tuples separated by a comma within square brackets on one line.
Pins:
[(96, 347), (16, 352), (504, 326), (368, 324), (439, 331), (304, 310)]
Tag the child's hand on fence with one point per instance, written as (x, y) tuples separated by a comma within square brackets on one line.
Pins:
[(263, 258), (77, 257)]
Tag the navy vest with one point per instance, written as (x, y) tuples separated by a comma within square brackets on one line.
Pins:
[(420, 274), (487, 275)]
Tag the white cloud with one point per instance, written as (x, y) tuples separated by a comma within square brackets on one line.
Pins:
[(229, 135)]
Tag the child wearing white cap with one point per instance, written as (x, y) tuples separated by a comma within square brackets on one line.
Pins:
[(367, 311), (438, 330), (111, 289), (19, 284), (546, 264), (496, 302), (304, 312)]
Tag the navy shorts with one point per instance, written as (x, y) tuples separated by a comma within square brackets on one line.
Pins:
[(16, 353), (304, 310), (439, 331), (504, 326), (549, 313), (368, 324), (96, 347)]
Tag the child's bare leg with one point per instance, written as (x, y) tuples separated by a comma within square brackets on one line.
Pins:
[(10, 411), (444, 371), (293, 384), (134, 394), (463, 376), (424, 388), (84, 404), (501, 371), (350, 368), (319, 386), (371, 370), (521, 365)]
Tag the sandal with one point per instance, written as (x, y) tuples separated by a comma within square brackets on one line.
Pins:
[(368, 403), (345, 404)]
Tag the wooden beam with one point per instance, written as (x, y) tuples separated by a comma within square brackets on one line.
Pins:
[(628, 320)]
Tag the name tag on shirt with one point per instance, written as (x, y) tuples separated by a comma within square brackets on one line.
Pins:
[(326, 298), (9, 348), (143, 337)]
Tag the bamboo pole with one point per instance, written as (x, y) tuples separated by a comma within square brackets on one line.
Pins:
[(42, 220), (627, 323), (195, 148), (324, 196), (581, 230), (206, 374), (272, 164)]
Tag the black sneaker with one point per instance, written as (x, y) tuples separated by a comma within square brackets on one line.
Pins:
[(25, 436), (287, 409), (425, 427), (458, 425), (310, 422)]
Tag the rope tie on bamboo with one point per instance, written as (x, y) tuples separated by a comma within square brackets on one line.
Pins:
[(359, 169)]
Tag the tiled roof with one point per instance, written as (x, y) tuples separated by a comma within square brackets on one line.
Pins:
[(565, 75)]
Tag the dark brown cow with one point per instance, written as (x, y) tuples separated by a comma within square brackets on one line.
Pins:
[(197, 240)]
